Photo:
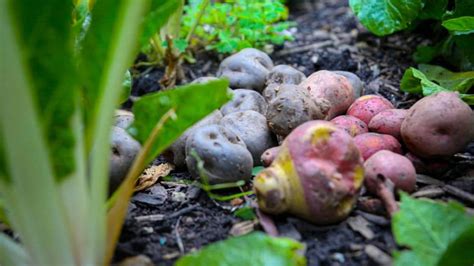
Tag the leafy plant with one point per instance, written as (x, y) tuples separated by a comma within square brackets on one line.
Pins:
[(231, 25), (432, 230), (429, 79), (453, 28), (56, 120), (254, 249)]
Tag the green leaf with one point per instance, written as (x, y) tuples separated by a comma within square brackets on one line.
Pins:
[(428, 228), (433, 9), (49, 51), (460, 25), (257, 170), (460, 81), (255, 249), (383, 17), (191, 103), (245, 213), (126, 87), (460, 250), (415, 81), (160, 12)]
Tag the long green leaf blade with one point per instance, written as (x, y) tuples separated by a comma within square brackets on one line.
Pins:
[(156, 18)]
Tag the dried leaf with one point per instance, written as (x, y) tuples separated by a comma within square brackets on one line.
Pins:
[(150, 176)]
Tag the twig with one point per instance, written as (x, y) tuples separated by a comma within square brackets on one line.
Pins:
[(304, 48), (459, 193), (183, 211), (178, 237)]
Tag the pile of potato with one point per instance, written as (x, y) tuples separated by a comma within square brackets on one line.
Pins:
[(327, 135)]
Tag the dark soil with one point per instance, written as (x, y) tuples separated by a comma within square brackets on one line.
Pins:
[(329, 37)]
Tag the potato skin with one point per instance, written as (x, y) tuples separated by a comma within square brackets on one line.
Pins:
[(438, 125), (370, 143), (124, 151), (316, 175), (333, 87), (388, 122), (368, 106), (433, 167), (352, 125), (244, 100), (284, 74), (292, 107), (357, 84), (176, 152), (252, 128), (123, 119), (246, 69), (269, 156), (391, 165), (225, 155)]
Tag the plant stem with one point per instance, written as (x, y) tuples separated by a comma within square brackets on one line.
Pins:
[(202, 9)]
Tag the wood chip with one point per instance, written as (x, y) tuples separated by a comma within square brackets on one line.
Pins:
[(242, 228), (428, 180), (360, 225), (466, 196), (150, 218), (377, 255), (152, 174), (429, 192), (140, 260)]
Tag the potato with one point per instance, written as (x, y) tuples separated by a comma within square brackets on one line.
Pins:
[(176, 152), (252, 129), (386, 172), (244, 100), (388, 122), (225, 156), (123, 119), (271, 91), (292, 107), (368, 106), (357, 84), (269, 156), (246, 69), (124, 151), (391, 165), (316, 175), (352, 125), (370, 143), (336, 89), (434, 167), (284, 74), (438, 125)]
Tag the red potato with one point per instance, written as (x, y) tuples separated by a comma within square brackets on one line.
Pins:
[(385, 172), (370, 143), (352, 125), (316, 175), (388, 122), (368, 106), (391, 165), (333, 87), (438, 125), (269, 156)]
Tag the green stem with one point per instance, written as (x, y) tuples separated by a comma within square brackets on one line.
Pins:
[(202, 9)]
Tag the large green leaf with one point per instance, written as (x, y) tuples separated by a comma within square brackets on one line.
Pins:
[(383, 17), (460, 250), (255, 249), (48, 52), (159, 13), (190, 103), (428, 228), (415, 81), (460, 25), (453, 81)]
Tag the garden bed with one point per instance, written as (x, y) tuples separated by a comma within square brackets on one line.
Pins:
[(173, 218)]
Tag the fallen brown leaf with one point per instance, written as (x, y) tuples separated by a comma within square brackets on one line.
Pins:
[(151, 175)]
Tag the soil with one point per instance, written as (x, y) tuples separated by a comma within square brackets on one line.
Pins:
[(186, 219)]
